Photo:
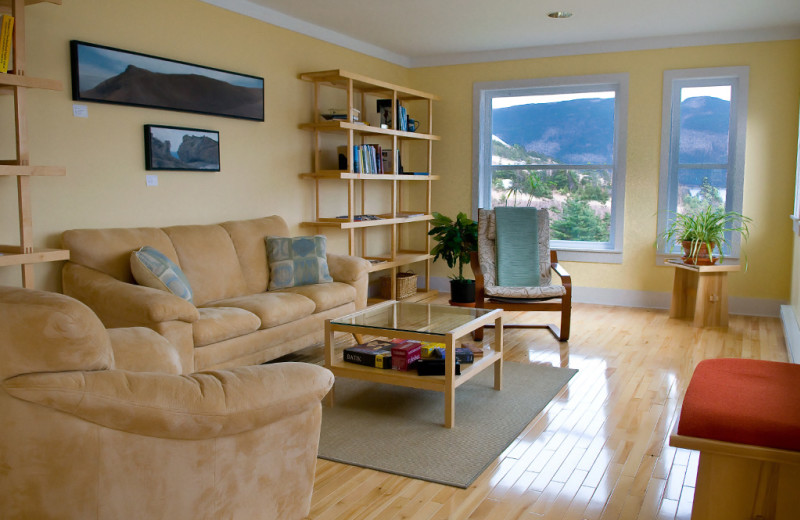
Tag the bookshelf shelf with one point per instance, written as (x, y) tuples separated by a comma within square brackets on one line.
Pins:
[(392, 188)]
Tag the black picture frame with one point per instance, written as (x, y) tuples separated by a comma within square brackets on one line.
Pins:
[(198, 150), (107, 75)]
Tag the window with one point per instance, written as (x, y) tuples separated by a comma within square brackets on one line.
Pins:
[(557, 143), (702, 144)]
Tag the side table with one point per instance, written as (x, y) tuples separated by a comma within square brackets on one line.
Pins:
[(700, 293)]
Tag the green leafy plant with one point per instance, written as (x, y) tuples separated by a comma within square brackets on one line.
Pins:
[(707, 226), (456, 240)]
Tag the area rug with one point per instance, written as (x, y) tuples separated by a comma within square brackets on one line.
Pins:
[(399, 430)]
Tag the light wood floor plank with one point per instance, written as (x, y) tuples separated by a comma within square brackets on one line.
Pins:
[(599, 450)]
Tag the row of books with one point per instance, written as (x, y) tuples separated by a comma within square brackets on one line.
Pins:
[(367, 158), (6, 37), (401, 354)]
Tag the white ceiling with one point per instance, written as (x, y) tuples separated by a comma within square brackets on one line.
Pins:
[(436, 32)]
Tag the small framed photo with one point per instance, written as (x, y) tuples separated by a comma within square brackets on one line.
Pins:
[(181, 149)]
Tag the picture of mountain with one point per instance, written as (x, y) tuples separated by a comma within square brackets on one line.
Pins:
[(172, 148), (113, 76)]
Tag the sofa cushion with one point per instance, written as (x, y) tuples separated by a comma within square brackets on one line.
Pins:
[(151, 268), (221, 323), (109, 250), (209, 261), (248, 239), (272, 308), (297, 261), (326, 295)]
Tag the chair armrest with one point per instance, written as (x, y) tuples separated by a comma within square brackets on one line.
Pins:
[(122, 304), (475, 264), (203, 405), (566, 279), (140, 349)]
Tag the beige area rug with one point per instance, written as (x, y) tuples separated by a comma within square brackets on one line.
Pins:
[(399, 430)]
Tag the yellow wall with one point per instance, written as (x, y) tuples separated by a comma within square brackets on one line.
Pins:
[(104, 154), (769, 163)]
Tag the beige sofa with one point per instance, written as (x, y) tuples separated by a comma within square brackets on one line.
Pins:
[(233, 319), (98, 424)]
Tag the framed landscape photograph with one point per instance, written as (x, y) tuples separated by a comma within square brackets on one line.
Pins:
[(107, 75), (181, 149)]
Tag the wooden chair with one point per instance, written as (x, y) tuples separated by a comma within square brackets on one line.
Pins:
[(542, 297)]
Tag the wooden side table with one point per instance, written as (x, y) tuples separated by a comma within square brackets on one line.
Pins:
[(700, 293)]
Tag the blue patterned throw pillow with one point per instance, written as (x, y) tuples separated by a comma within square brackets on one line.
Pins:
[(152, 268), (297, 261)]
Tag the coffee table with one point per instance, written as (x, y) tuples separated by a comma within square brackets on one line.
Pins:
[(421, 322)]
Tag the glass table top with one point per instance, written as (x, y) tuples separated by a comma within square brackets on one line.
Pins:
[(413, 317)]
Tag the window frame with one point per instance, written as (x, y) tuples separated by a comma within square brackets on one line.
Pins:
[(674, 81), (484, 92)]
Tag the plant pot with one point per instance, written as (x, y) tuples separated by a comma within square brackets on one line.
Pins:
[(701, 258), (462, 291)]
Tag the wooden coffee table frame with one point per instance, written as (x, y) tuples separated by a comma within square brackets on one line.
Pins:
[(446, 383)]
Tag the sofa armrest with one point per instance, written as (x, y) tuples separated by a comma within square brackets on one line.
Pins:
[(351, 270), (348, 269), (140, 349), (122, 304), (203, 405)]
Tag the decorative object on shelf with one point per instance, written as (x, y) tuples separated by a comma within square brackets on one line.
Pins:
[(700, 232), (6, 34), (412, 124), (406, 285), (457, 239), (181, 149), (108, 75)]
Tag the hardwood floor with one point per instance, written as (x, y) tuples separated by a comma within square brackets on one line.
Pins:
[(597, 451)]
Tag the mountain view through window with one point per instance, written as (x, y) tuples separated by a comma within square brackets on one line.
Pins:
[(557, 152), (703, 138)]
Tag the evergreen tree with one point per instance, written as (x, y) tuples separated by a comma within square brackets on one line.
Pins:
[(579, 222)]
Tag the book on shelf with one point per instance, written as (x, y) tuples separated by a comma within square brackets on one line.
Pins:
[(6, 39), (376, 353)]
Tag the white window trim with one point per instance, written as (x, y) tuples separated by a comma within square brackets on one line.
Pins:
[(737, 135), (482, 155)]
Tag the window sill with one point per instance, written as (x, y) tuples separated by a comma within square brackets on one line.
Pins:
[(589, 255)]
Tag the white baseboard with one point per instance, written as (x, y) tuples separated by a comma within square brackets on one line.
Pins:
[(791, 332), (649, 299)]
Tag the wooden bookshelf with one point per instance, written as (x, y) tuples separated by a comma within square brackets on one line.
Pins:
[(16, 83), (360, 93)]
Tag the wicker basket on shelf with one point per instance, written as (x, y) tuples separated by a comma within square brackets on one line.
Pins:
[(406, 285)]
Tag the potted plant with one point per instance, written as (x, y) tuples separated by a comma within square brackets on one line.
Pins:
[(700, 232), (456, 240)]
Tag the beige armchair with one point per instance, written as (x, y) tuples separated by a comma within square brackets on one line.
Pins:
[(100, 424)]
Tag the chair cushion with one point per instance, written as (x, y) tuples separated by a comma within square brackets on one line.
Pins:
[(272, 308), (487, 258), (517, 247), (152, 268), (744, 401), (297, 261), (221, 323), (532, 293)]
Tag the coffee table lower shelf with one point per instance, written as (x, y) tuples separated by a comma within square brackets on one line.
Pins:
[(446, 384)]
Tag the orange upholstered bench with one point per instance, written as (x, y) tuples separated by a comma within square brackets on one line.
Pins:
[(743, 416)]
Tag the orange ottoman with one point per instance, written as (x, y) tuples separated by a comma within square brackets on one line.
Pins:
[(743, 416)]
